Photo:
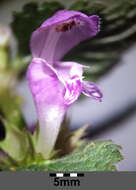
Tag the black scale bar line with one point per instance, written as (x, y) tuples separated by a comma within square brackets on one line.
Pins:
[(66, 174)]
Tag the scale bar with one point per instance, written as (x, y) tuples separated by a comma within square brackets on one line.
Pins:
[(66, 174)]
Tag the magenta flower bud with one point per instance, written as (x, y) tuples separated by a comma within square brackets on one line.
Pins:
[(54, 84)]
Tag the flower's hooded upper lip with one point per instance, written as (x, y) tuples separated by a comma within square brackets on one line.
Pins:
[(52, 44), (62, 16)]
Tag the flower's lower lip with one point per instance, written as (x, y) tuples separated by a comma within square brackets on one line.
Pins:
[(91, 90)]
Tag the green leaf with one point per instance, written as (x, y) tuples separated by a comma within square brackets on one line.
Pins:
[(87, 6), (15, 143), (10, 109), (95, 156), (5, 160)]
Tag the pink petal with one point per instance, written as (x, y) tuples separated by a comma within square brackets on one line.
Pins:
[(73, 89), (58, 34), (53, 90), (71, 74), (48, 92), (91, 90)]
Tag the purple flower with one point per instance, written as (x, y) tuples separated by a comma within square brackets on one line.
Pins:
[(54, 84)]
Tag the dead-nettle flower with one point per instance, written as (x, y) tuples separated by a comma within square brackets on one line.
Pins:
[(54, 84)]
